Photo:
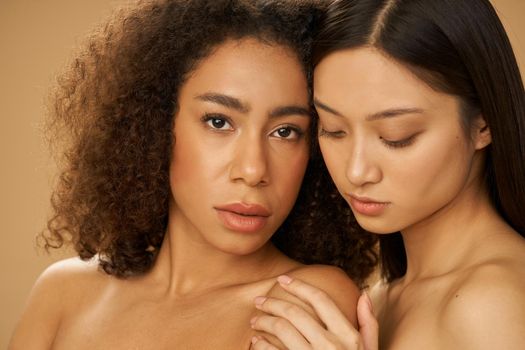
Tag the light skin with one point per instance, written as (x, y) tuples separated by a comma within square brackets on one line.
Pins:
[(239, 139), (398, 153)]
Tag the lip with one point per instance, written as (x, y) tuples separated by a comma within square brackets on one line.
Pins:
[(243, 217), (366, 206)]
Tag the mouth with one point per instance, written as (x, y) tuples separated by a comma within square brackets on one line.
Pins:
[(242, 217), (366, 206)]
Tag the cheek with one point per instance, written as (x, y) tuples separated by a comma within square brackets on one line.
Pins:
[(182, 167), (193, 163), (436, 173)]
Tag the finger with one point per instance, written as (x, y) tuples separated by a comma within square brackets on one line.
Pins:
[(282, 329), (259, 343), (300, 319), (368, 326), (323, 305)]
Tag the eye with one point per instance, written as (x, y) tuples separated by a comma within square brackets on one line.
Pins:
[(217, 122), (399, 143), (288, 133), (337, 134)]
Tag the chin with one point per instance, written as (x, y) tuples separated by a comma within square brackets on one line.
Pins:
[(241, 248), (378, 226)]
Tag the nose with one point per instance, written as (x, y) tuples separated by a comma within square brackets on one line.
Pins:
[(250, 163), (361, 168)]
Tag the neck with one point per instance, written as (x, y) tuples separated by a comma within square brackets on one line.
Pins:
[(188, 265), (447, 240)]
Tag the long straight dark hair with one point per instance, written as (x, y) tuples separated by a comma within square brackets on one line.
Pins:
[(458, 47)]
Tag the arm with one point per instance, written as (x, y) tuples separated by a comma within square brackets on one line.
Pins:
[(325, 320)]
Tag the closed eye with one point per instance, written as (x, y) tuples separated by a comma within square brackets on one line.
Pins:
[(399, 143), (337, 134)]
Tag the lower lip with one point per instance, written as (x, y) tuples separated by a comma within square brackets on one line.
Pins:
[(241, 223), (367, 208)]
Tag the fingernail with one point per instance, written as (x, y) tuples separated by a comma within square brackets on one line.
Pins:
[(285, 280), (255, 340), (259, 301), (253, 320)]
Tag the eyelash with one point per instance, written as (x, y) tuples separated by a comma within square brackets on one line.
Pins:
[(333, 134), (391, 144), (208, 118), (399, 144)]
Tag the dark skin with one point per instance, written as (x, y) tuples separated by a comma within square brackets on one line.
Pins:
[(199, 293)]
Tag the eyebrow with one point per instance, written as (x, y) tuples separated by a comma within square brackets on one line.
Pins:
[(320, 105), (393, 112), (388, 113), (224, 100), (236, 104), (290, 110)]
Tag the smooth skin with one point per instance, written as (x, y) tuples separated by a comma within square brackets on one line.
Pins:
[(388, 137), (239, 138)]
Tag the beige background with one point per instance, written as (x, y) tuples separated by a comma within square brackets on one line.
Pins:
[(36, 39)]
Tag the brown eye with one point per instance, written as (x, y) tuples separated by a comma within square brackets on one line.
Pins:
[(284, 132), (217, 122), (287, 133)]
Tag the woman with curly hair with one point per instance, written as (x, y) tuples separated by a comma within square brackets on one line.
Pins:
[(422, 127), (189, 131)]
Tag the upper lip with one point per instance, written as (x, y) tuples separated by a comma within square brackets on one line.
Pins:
[(364, 199), (248, 209)]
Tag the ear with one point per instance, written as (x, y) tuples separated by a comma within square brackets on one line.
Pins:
[(481, 136)]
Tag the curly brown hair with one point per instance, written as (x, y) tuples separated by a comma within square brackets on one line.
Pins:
[(114, 109)]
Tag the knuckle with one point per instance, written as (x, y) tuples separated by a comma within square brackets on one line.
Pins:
[(279, 324), (320, 295), (290, 309)]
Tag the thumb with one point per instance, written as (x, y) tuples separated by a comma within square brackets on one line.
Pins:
[(368, 327)]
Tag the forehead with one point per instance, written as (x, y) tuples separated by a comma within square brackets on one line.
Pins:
[(252, 57), (247, 67), (360, 84), (365, 75)]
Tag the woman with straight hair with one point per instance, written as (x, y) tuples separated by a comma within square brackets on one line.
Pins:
[(190, 181), (422, 126)]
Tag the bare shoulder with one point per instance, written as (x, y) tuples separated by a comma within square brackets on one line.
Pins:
[(330, 280), (61, 283), (486, 310), (70, 271), (71, 277), (334, 281)]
